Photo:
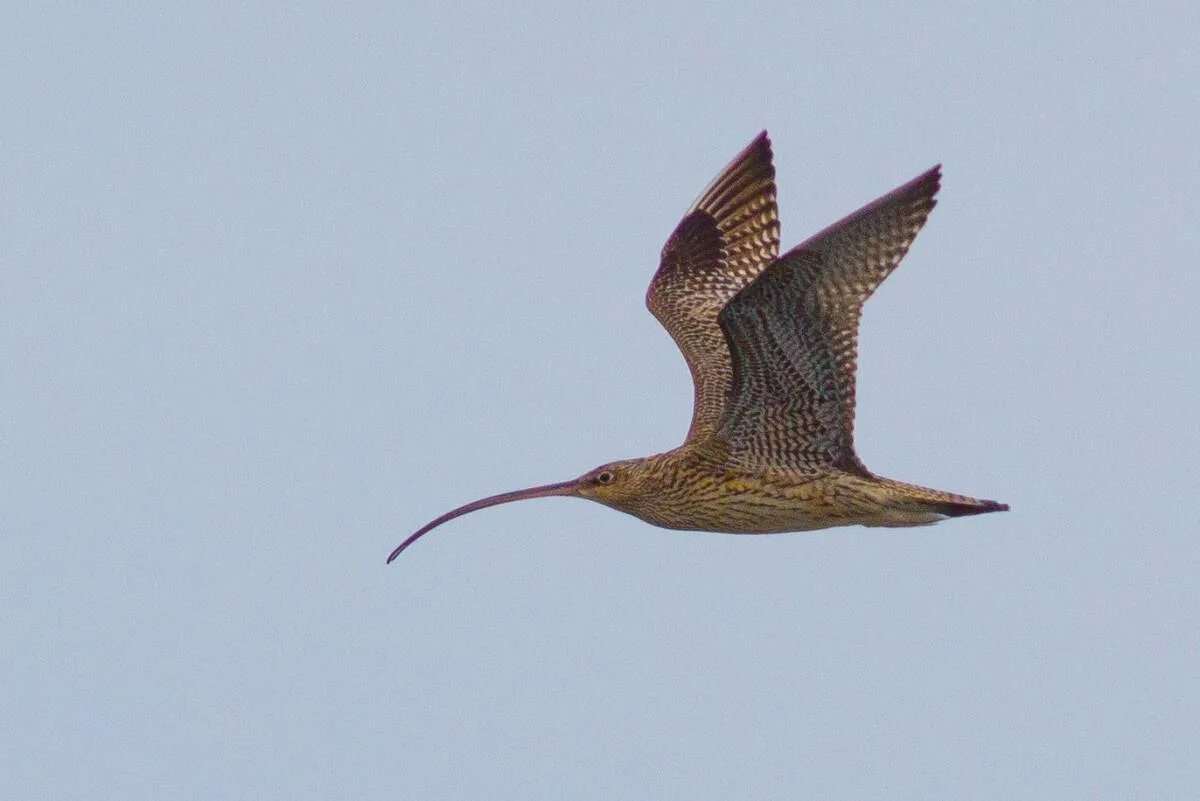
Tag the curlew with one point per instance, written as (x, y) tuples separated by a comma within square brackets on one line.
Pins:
[(771, 342)]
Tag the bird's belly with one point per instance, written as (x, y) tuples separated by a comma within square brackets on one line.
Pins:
[(743, 506), (734, 520)]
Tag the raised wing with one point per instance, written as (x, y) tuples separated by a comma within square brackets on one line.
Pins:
[(729, 235), (793, 336)]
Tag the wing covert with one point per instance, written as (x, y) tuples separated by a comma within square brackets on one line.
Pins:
[(793, 335)]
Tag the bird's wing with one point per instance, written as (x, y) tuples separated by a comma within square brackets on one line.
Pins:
[(793, 336), (726, 239)]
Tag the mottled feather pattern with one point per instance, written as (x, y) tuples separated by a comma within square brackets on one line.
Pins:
[(793, 336), (784, 405), (727, 237), (771, 342)]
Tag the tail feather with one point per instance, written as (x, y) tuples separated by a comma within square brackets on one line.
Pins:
[(960, 509), (943, 503)]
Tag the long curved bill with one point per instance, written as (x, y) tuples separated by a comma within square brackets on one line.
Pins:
[(561, 488)]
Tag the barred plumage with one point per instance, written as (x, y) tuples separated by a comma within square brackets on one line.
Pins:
[(771, 342)]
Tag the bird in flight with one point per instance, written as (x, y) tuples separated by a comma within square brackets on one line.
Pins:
[(771, 342)]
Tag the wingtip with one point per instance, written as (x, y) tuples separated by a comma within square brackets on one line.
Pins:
[(750, 173), (761, 145), (765, 139), (932, 176), (928, 183)]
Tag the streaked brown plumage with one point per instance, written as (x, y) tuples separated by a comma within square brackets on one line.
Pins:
[(771, 342)]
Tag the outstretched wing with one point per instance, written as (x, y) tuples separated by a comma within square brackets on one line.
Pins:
[(793, 336), (729, 235)]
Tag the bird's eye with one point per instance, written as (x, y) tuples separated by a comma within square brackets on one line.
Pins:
[(605, 477)]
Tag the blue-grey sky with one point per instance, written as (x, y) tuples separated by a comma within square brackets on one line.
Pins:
[(280, 285)]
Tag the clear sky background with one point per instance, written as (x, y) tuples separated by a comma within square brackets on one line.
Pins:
[(282, 285)]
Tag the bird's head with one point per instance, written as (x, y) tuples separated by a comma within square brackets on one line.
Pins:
[(615, 484)]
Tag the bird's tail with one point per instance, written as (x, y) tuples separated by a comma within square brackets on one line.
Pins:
[(923, 500)]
